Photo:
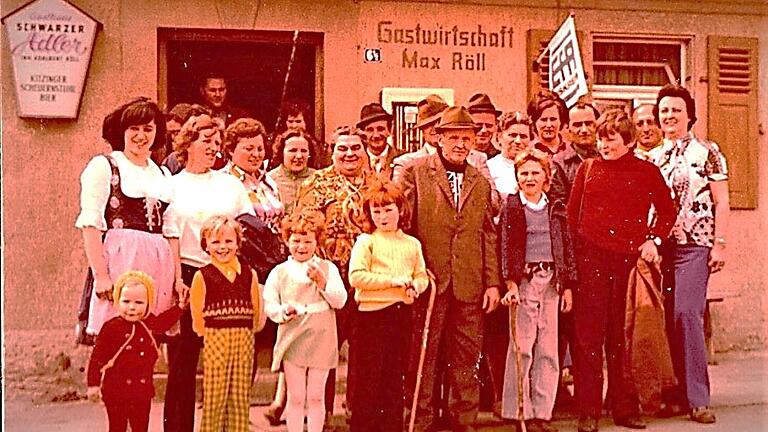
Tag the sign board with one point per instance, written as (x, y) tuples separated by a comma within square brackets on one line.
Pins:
[(372, 55), (51, 43), (566, 70)]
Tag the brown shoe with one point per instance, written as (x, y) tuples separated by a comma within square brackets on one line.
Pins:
[(703, 415), (539, 425), (273, 415), (632, 422), (670, 410), (587, 424)]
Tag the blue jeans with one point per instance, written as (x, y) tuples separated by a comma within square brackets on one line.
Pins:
[(685, 323)]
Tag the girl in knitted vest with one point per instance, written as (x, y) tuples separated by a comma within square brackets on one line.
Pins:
[(300, 295), (226, 307), (387, 270), (121, 364)]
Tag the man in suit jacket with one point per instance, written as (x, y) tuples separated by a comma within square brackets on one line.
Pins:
[(376, 124), (429, 111), (452, 217)]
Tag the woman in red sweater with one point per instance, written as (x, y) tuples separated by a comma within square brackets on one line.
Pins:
[(608, 213)]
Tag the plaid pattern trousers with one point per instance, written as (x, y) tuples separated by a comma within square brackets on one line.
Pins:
[(227, 365)]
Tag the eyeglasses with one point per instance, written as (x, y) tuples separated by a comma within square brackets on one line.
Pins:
[(645, 122)]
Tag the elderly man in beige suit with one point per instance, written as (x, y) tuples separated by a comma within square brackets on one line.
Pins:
[(452, 215)]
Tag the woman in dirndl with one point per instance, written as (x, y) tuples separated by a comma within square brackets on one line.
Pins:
[(124, 195)]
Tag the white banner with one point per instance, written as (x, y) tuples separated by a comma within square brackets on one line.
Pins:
[(566, 70), (51, 43)]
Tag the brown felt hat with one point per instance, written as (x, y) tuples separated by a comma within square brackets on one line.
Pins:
[(456, 117), (481, 103), (371, 113), (430, 109)]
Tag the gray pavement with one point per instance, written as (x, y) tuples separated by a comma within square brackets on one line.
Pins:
[(739, 397)]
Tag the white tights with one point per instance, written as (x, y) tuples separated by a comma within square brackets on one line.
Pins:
[(305, 384)]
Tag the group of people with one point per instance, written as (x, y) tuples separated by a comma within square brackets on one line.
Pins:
[(556, 214)]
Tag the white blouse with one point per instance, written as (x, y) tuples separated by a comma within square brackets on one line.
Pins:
[(503, 175), (135, 181), (196, 197)]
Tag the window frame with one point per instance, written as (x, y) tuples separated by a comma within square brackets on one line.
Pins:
[(639, 94)]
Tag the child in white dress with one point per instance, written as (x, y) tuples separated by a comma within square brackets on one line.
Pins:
[(300, 295)]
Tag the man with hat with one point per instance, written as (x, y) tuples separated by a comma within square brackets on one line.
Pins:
[(375, 123), (429, 111), (485, 115), (452, 217)]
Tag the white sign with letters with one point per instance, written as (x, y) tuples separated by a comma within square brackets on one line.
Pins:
[(51, 44), (566, 70)]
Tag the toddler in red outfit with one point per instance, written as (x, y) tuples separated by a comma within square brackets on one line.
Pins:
[(122, 361)]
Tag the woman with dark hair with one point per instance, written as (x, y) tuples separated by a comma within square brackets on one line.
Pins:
[(696, 171), (610, 234), (296, 115), (292, 153), (122, 203)]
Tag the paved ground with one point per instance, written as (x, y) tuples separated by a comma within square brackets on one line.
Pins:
[(739, 384)]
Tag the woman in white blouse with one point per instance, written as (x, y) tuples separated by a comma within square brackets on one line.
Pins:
[(199, 193), (514, 136), (122, 203)]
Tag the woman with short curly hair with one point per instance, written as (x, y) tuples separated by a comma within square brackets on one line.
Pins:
[(199, 193)]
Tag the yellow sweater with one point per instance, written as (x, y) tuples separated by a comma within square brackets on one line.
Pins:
[(376, 260), (229, 270)]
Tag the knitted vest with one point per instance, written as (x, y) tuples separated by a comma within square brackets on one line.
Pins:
[(538, 245), (227, 304)]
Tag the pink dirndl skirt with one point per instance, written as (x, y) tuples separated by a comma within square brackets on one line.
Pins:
[(126, 249)]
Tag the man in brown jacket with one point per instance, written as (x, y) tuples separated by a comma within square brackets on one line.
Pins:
[(452, 217)]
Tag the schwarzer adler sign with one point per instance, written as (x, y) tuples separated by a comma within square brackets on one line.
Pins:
[(51, 43), (566, 70)]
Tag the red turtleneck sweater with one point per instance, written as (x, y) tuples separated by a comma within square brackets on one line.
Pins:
[(615, 200)]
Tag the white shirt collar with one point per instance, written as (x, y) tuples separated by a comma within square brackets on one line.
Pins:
[(380, 156), (534, 206), (430, 149)]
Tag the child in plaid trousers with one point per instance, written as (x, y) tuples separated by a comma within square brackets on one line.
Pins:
[(226, 307)]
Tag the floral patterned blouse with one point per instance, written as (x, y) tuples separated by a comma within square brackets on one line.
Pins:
[(263, 192), (689, 165), (340, 199)]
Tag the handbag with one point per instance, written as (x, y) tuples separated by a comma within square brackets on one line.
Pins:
[(81, 336)]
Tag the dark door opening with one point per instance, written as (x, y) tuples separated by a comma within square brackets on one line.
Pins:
[(254, 63)]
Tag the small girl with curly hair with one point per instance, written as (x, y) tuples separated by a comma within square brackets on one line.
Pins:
[(121, 364), (300, 295)]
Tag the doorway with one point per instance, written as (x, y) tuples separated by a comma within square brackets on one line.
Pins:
[(255, 64)]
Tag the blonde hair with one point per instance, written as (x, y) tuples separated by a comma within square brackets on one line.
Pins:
[(213, 226), (134, 277), (190, 132), (535, 155)]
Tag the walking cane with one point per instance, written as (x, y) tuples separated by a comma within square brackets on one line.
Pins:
[(423, 352), (518, 363)]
